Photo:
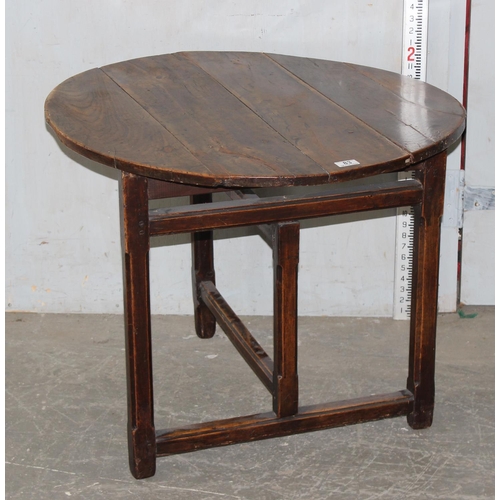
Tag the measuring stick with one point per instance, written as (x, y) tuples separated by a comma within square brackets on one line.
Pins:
[(413, 65)]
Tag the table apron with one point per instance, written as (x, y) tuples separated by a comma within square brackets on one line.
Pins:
[(270, 210)]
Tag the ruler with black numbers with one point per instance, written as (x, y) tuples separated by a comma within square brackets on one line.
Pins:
[(413, 65)]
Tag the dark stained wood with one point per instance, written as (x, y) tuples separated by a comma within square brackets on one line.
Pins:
[(415, 91), (191, 124), (211, 123), (315, 125), (284, 208), (238, 334), (425, 275), (385, 101), (267, 425), (94, 117), (141, 430), (161, 189), (265, 230), (202, 249), (250, 120), (286, 263)]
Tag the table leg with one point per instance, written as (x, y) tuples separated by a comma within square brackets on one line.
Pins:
[(425, 291), (202, 248), (285, 260), (135, 236)]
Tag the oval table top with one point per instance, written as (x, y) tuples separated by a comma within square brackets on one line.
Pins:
[(227, 119)]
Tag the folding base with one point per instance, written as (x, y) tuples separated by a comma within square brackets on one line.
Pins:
[(278, 222)]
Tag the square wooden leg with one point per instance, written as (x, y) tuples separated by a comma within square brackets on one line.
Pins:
[(425, 291), (286, 260), (135, 236), (202, 248)]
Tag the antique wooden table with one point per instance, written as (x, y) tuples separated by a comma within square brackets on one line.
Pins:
[(195, 123)]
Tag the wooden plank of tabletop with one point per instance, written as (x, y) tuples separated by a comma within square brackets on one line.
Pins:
[(314, 123), (215, 126), (94, 117), (410, 90), (416, 116)]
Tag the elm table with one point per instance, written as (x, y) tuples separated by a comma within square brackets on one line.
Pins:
[(199, 122)]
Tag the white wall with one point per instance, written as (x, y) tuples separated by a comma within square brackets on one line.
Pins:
[(478, 254), (62, 228), (445, 64)]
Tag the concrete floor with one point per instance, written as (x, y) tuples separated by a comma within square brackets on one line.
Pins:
[(66, 421)]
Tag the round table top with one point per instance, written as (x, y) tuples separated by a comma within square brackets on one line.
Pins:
[(227, 119)]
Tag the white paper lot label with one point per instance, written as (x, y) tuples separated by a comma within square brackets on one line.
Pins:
[(347, 163)]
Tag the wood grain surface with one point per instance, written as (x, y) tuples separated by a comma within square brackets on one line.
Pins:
[(227, 119)]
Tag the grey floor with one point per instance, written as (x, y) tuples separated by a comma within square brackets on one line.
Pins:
[(65, 412)]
